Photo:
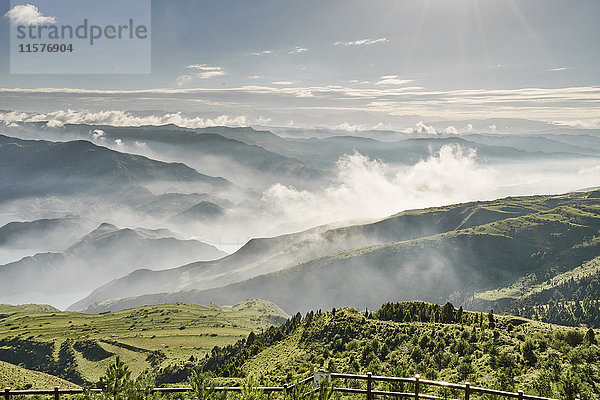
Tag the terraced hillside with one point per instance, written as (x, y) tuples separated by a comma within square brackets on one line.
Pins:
[(401, 339), (78, 347)]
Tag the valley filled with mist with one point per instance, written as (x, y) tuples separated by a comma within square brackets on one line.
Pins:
[(102, 216)]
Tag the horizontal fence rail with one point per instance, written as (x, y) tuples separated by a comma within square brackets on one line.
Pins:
[(369, 392)]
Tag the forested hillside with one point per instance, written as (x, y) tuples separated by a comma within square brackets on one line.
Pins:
[(401, 339)]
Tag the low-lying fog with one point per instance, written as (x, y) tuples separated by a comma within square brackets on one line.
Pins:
[(281, 193)]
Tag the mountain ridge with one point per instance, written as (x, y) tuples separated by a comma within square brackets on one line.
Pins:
[(503, 248), (101, 255), (38, 167)]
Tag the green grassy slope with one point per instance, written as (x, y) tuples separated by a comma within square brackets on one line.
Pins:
[(17, 377), (79, 346), (401, 339), (456, 265), (263, 256)]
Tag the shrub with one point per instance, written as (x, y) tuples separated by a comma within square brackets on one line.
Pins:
[(201, 384), (570, 385), (528, 354), (573, 338), (116, 383)]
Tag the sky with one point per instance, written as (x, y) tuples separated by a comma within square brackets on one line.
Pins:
[(279, 60)]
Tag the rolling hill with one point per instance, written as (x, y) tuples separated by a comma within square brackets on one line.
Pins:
[(253, 339), (305, 161), (78, 347), (265, 255), (16, 377), (436, 254), (437, 342)]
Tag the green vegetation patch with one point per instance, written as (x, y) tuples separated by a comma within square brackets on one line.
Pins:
[(79, 347), (17, 377)]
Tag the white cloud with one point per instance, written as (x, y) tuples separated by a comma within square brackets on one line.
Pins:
[(206, 71), (451, 130), (366, 188), (263, 53), (182, 79), (282, 83), (362, 42), (262, 120), (53, 123), (203, 67), (97, 134), (203, 71), (29, 15), (591, 171), (423, 129), (392, 80), (554, 104), (593, 123), (121, 118), (297, 50), (557, 69), (359, 81), (469, 127), (345, 126), (12, 117), (118, 142)]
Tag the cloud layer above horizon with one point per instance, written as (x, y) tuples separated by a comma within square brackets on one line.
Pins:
[(575, 106), (436, 59)]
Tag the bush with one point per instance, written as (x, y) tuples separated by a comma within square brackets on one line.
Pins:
[(465, 369), (570, 385), (250, 391), (542, 385), (573, 338), (117, 384), (201, 384), (528, 354), (589, 337)]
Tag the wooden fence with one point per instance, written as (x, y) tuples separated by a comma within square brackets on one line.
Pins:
[(416, 394)]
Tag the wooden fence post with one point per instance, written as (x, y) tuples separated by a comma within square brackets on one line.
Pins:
[(369, 386), (56, 393), (7, 393), (467, 390), (417, 377)]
